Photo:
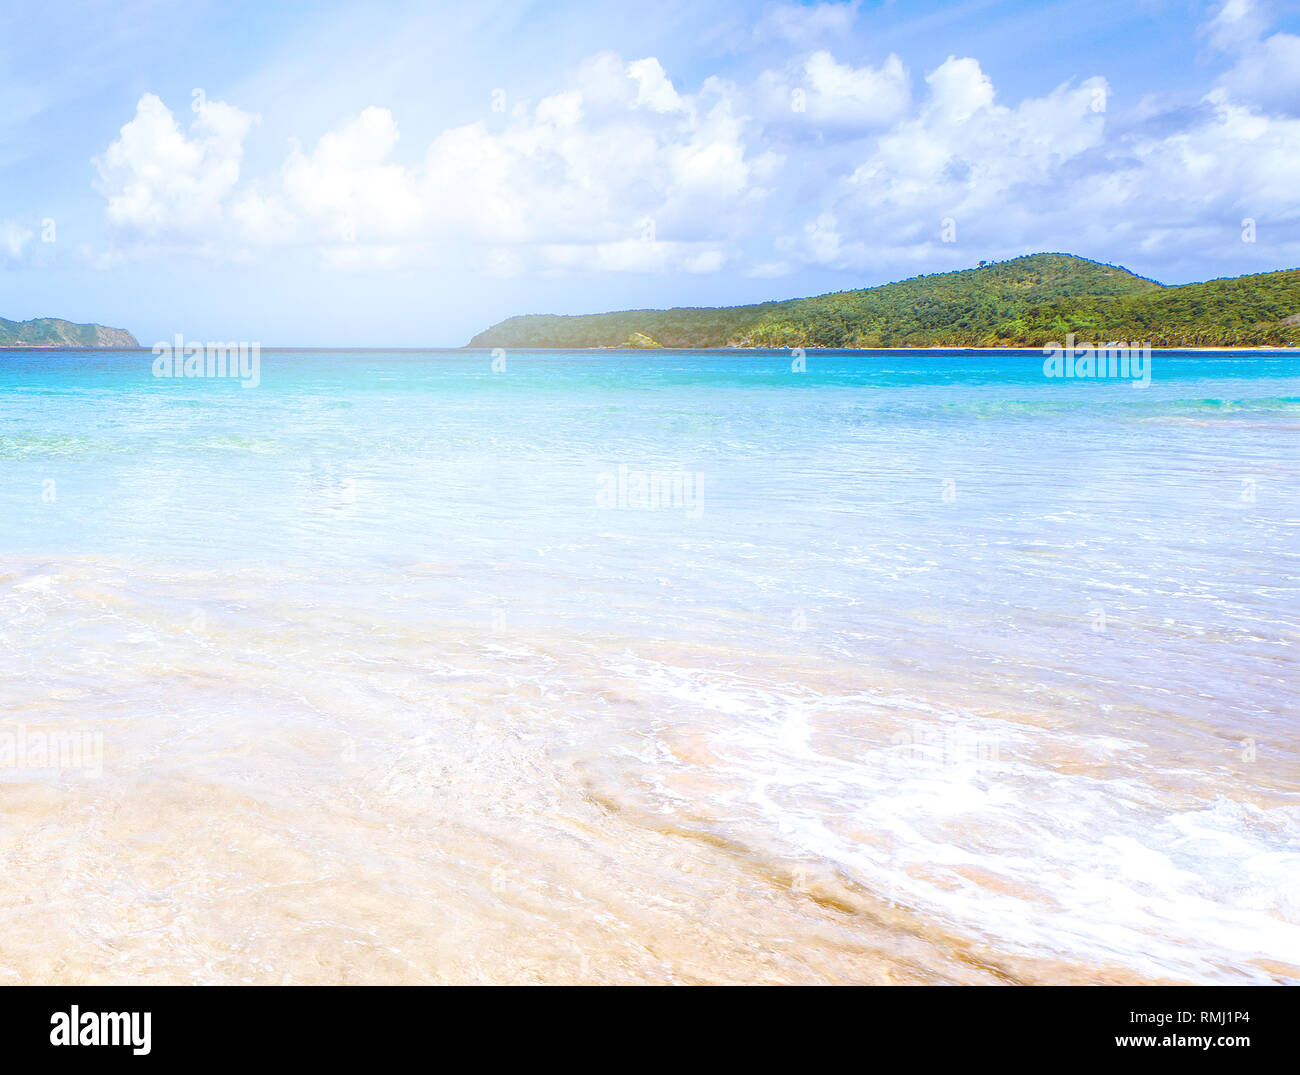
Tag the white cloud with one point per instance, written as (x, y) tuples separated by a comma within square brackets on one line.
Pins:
[(621, 170), (1047, 174), (593, 168), (1236, 24), (958, 90), (1269, 74), (349, 185), (962, 155), (818, 94), (841, 93), (654, 90), (157, 179), (1266, 70)]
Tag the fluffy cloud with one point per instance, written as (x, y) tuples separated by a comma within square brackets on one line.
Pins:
[(158, 179), (818, 163), (349, 182), (961, 158), (1235, 25), (617, 154), (1266, 70), (821, 95), (617, 168), (1058, 172)]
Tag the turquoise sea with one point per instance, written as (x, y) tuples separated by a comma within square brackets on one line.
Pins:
[(650, 666)]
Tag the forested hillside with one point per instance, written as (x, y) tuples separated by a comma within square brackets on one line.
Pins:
[(55, 332), (1023, 302)]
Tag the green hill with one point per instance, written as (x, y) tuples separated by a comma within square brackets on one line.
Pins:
[(53, 332), (1023, 302)]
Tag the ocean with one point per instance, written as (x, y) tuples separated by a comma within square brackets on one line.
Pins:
[(655, 666)]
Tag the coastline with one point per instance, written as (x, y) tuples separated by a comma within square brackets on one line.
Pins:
[(643, 350), (871, 350)]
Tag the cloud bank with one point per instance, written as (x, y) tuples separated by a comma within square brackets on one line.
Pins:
[(822, 162)]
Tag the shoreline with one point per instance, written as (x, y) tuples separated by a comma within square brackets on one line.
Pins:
[(886, 350), (644, 350)]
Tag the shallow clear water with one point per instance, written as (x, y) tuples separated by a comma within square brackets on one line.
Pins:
[(923, 667)]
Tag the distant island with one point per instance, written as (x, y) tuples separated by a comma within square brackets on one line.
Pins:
[(1023, 302), (53, 332)]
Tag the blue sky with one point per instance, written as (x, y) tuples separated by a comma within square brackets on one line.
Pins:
[(406, 174)]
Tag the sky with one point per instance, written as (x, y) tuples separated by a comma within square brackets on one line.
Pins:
[(406, 174)]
